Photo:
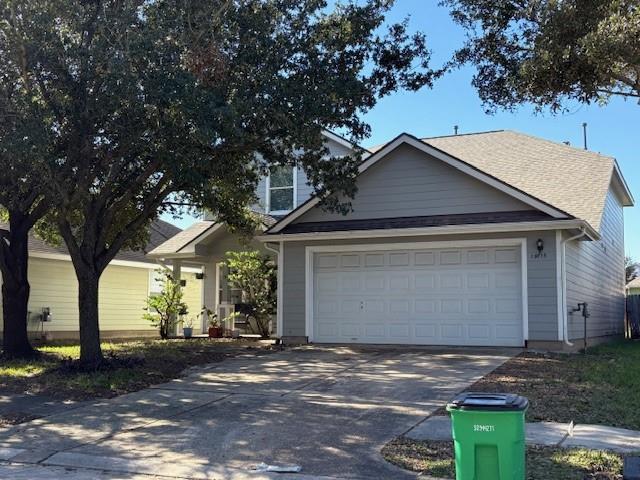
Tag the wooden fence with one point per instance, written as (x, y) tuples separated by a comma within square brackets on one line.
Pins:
[(632, 327)]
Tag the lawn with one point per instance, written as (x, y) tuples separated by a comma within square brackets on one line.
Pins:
[(601, 387), (543, 463), (137, 365)]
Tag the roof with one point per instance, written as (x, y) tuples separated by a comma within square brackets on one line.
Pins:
[(159, 232), (557, 176), (182, 239), (416, 222), (199, 229), (571, 179), (635, 283)]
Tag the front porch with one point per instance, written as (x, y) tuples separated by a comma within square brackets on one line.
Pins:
[(204, 246)]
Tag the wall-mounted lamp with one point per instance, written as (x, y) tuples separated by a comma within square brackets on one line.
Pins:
[(540, 245)]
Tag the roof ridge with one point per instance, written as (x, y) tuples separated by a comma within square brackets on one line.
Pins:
[(559, 144), (464, 134)]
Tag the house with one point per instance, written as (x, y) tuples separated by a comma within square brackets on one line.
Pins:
[(633, 287), (125, 285), (486, 239)]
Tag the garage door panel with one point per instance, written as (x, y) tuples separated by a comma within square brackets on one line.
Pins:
[(375, 282), (426, 332), (424, 258), (373, 306), (480, 332), (424, 281), (445, 296)]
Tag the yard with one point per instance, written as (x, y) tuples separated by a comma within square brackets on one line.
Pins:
[(136, 365), (600, 387), (436, 459)]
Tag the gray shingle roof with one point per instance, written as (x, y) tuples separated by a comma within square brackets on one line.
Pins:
[(159, 233), (188, 235), (573, 180), (182, 239)]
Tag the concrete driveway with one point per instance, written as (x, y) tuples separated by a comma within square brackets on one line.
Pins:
[(328, 409)]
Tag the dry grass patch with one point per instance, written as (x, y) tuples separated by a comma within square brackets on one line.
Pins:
[(543, 463), (135, 365), (600, 387)]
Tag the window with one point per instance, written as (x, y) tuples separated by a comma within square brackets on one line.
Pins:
[(281, 189), (156, 282)]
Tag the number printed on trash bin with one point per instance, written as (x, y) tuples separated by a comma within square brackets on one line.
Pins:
[(484, 428)]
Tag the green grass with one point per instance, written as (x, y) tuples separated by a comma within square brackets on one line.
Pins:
[(143, 363), (600, 387), (543, 463)]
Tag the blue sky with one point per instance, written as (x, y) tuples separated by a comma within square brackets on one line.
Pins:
[(613, 129)]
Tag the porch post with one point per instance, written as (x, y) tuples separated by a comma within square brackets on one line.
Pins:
[(210, 288), (176, 267)]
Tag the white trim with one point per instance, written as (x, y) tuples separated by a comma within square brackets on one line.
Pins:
[(525, 290), (452, 161), (565, 307), (630, 201), (341, 141), (214, 227), (116, 262), (444, 230), (280, 293), (559, 290), (267, 200), (310, 251)]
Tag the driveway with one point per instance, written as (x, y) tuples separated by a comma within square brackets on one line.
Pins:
[(328, 409)]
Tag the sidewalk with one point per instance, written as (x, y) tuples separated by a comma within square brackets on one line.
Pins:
[(595, 437)]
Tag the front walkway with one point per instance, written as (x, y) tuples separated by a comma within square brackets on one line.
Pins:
[(551, 434), (329, 410)]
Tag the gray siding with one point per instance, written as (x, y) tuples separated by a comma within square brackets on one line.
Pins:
[(595, 274), (408, 182), (304, 190), (541, 279)]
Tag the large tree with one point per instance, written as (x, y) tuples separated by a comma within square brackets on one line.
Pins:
[(156, 104), (24, 141), (547, 51)]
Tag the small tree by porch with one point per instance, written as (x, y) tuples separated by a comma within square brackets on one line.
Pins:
[(165, 309), (256, 275)]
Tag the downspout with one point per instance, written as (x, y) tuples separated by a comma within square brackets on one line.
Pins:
[(563, 267)]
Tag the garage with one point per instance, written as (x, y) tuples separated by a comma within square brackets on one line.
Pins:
[(469, 295)]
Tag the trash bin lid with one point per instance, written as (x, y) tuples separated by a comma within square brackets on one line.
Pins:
[(489, 401)]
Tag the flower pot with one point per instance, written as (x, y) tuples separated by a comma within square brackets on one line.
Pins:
[(215, 332), (188, 332)]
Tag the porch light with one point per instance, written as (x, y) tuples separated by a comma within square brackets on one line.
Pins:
[(540, 245)]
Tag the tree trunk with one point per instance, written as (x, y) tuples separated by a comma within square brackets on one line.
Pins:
[(15, 289), (88, 285)]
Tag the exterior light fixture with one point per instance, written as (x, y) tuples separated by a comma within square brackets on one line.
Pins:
[(540, 245)]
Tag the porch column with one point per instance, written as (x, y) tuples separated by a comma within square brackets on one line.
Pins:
[(176, 271), (210, 289)]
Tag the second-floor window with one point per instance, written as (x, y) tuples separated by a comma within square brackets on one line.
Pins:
[(281, 189)]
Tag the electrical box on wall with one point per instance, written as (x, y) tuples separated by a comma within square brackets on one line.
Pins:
[(46, 316)]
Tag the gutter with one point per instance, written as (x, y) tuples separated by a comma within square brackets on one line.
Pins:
[(509, 227), (563, 267)]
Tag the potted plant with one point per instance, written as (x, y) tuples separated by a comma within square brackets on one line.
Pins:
[(187, 328), (215, 330)]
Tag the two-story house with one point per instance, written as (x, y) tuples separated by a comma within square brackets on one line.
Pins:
[(488, 239)]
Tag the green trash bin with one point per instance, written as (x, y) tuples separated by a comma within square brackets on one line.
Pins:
[(488, 436)]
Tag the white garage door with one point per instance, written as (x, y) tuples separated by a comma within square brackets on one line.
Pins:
[(448, 296)]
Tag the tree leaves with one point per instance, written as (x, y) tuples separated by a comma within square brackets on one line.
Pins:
[(548, 52)]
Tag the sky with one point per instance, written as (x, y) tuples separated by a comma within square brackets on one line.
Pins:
[(613, 130)]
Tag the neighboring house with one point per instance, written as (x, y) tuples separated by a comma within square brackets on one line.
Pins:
[(487, 239), (124, 287), (633, 287)]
